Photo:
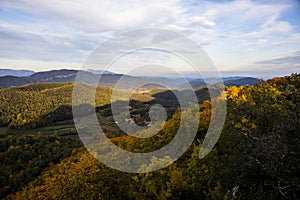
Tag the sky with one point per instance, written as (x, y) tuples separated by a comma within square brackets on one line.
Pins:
[(259, 38)]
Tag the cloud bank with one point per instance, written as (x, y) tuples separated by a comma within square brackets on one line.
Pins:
[(236, 34)]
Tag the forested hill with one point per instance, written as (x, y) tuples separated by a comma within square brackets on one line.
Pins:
[(40, 104), (256, 157), (54, 76)]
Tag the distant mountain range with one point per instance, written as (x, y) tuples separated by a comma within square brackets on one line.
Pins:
[(94, 71), (18, 73), (109, 79)]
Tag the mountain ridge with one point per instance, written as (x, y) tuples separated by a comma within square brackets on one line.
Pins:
[(110, 79), (18, 73)]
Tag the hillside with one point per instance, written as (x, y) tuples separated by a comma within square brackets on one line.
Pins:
[(256, 157), (10, 81), (40, 104), (241, 81)]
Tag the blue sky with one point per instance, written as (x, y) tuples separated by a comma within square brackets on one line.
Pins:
[(246, 37)]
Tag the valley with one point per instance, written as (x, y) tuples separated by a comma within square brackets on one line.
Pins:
[(42, 155)]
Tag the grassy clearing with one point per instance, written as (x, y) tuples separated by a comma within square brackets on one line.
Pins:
[(62, 129), (49, 130)]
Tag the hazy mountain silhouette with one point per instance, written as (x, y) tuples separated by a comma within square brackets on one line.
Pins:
[(18, 73), (110, 79)]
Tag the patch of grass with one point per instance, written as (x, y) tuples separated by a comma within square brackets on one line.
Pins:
[(49, 130), (56, 127), (141, 97)]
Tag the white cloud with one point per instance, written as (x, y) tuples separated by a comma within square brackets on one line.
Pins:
[(101, 15), (234, 33), (37, 65), (201, 20), (291, 39)]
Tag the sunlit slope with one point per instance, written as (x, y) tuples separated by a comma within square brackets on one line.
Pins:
[(41, 104)]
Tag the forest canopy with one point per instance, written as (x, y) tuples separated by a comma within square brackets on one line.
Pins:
[(256, 157)]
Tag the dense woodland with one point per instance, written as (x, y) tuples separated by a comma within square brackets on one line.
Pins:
[(256, 157), (41, 104)]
